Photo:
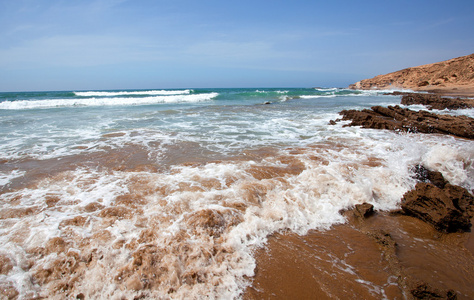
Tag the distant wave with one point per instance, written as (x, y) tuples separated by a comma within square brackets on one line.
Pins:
[(52, 103), (326, 89), (316, 96), (131, 93), (269, 92)]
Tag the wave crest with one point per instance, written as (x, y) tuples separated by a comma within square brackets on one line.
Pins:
[(134, 93), (87, 102)]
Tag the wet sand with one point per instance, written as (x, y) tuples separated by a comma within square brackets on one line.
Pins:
[(351, 261)]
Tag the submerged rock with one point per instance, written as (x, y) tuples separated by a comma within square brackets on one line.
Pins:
[(424, 291)]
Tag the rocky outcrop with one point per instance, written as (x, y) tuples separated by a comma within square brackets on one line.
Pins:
[(405, 120), (448, 209), (435, 101), (456, 72)]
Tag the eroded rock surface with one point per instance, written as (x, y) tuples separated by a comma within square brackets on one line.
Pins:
[(433, 101), (405, 120), (448, 209)]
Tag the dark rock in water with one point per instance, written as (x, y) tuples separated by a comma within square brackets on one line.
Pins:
[(363, 210), (448, 209), (405, 120), (397, 93), (424, 291), (435, 101), (424, 175)]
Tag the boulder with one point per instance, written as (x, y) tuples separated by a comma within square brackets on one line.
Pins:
[(363, 210), (448, 209)]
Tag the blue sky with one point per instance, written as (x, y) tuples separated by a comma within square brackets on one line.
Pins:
[(120, 44)]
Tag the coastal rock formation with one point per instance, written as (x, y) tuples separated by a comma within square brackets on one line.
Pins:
[(453, 73), (423, 174), (436, 102), (448, 209), (405, 120)]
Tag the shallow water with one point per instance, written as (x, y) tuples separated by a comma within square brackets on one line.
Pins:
[(168, 193)]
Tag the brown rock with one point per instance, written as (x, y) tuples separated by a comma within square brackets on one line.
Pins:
[(424, 291), (424, 175), (436, 101), (405, 120), (448, 209), (363, 210), (384, 239)]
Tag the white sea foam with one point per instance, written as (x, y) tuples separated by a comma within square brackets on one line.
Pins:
[(131, 93), (387, 91), (198, 225), (316, 96), (455, 162), (52, 103), (6, 178), (326, 89)]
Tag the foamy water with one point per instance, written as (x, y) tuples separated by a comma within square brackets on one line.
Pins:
[(170, 200), (88, 102)]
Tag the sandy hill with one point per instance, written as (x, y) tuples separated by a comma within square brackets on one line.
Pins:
[(456, 74)]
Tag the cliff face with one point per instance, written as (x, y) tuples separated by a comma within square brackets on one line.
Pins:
[(450, 74)]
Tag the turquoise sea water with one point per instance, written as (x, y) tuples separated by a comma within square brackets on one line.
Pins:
[(54, 124), (167, 193)]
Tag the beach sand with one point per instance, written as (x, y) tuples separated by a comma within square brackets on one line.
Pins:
[(351, 262)]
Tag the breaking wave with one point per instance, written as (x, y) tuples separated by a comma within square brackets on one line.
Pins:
[(131, 93), (52, 103)]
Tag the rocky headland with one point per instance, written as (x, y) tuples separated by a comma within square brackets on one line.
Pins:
[(453, 77)]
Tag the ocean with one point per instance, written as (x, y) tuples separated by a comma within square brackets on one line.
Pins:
[(168, 193)]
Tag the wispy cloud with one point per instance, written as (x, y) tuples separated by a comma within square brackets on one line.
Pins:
[(77, 51)]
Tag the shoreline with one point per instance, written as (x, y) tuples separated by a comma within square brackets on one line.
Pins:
[(373, 255), (109, 202)]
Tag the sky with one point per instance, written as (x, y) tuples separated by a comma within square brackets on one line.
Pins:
[(145, 44)]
